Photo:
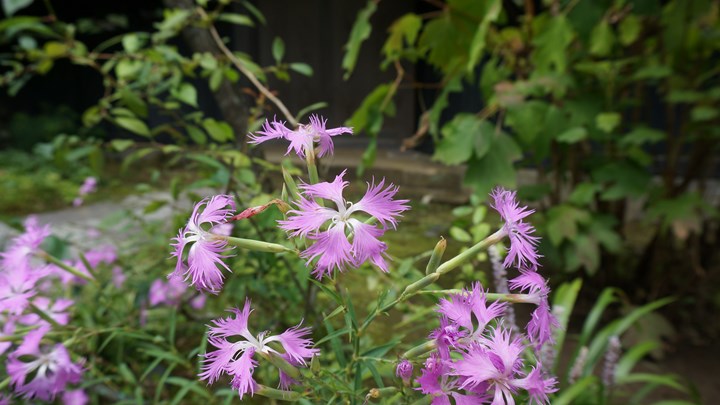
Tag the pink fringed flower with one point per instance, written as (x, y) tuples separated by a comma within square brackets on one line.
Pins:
[(404, 370), (204, 258), (88, 186), (542, 322), (236, 347), (523, 245), (41, 373), (333, 246), (302, 139), (21, 249)]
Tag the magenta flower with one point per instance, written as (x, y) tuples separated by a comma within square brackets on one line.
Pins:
[(204, 258), (542, 322), (469, 312), (75, 397), (523, 245), (20, 252), (404, 370), (166, 292), (333, 246), (7, 329), (436, 380), (302, 139), (41, 373), (236, 347), (88, 186)]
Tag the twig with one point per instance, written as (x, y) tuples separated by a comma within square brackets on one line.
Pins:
[(244, 70)]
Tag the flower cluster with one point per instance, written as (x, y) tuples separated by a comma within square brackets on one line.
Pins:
[(303, 139), (341, 240), (477, 360), (204, 258), (236, 348), (523, 254), (36, 370)]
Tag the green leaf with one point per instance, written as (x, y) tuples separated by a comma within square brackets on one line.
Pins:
[(583, 194), (186, 93), (133, 125), (562, 222), (573, 135), (235, 18), (563, 304), (630, 28), (368, 116), (640, 136), (495, 168), (460, 234), (121, 145), (462, 135), (554, 36), (567, 395), (196, 134), (621, 179), (404, 28), (477, 45), (635, 354), (360, 32), (219, 131), (311, 107), (10, 7), (133, 102), (302, 68), (132, 42), (608, 121), (602, 39), (278, 49), (703, 113)]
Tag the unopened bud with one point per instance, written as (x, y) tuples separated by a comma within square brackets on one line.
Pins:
[(436, 257)]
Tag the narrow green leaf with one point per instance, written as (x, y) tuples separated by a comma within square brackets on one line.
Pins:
[(133, 125), (360, 32), (278, 49), (235, 18)]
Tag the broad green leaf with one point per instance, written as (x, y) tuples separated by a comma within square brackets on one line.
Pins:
[(640, 136), (186, 93), (132, 42), (495, 168), (563, 221), (133, 102), (703, 113), (621, 179), (583, 194), (602, 39), (461, 136), (572, 135), (445, 45), (460, 234), (554, 36), (219, 131), (607, 121), (278, 49), (630, 28), (302, 68), (368, 116), (196, 134), (133, 125), (120, 145), (360, 32), (404, 28), (10, 7)]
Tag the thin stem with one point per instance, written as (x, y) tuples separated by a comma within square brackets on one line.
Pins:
[(252, 244), (465, 256), (245, 71), (44, 316), (70, 269), (273, 393)]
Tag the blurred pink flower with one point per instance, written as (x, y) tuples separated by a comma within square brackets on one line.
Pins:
[(302, 139)]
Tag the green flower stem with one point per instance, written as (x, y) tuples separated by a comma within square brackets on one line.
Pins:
[(252, 244), (273, 393), (45, 317), (70, 269), (4, 383), (514, 298), (465, 256), (282, 364), (312, 166), (376, 393), (420, 349)]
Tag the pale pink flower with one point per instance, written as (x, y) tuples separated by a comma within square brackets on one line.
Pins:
[(75, 397), (204, 259), (236, 347), (57, 310), (41, 373), (542, 321), (523, 245), (333, 246), (302, 139)]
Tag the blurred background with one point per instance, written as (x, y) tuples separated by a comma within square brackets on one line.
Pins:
[(604, 115)]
